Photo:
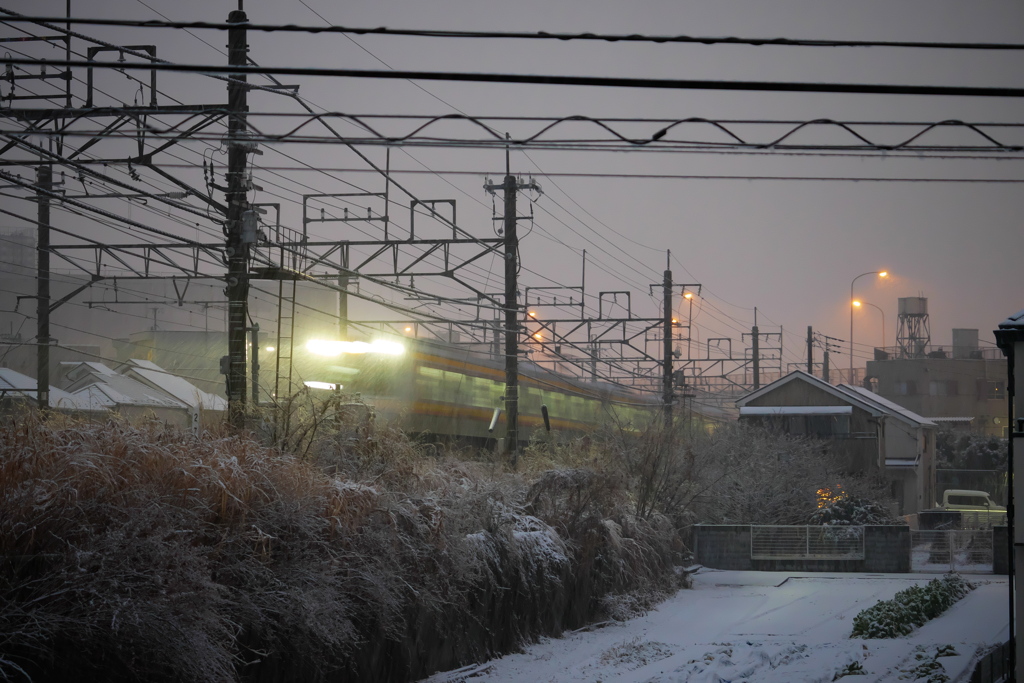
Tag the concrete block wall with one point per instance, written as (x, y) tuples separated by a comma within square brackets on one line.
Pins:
[(1000, 550), (723, 546), (886, 549)]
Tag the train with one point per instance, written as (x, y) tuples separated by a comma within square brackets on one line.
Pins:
[(452, 392)]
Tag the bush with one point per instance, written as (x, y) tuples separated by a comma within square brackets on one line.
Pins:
[(853, 511), (910, 608), (142, 553)]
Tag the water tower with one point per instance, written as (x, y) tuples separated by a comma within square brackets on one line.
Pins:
[(913, 334)]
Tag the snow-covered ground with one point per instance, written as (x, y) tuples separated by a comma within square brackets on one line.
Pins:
[(763, 627)]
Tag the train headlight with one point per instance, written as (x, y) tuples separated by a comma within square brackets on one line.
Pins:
[(324, 347), (324, 385)]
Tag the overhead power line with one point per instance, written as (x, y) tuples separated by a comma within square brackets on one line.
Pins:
[(706, 134), (527, 79), (646, 176), (526, 35)]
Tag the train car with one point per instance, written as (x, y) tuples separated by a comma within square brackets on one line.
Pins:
[(452, 392)]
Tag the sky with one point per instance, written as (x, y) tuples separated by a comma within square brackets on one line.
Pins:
[(769, 241)]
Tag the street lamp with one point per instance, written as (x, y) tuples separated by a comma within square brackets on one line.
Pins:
[(879, 273), (880, 311)]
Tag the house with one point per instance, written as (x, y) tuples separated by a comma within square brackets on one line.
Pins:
[(18, 390), (202, 405), (124, 395), (142, 389), (874, 435)]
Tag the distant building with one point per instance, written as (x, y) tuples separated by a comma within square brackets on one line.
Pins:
[(143, 389), (18, 391), (962, 385), (877, 437), (137, 389)]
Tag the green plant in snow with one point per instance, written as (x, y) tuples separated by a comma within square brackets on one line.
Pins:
[(910, 608), (928, 668), (851, 669)]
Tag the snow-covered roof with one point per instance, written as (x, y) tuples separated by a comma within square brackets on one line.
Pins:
[(1015, 321), (123, 391), (800, 375), (14, 384), (893, 408), (153, 375), (796, 410), (101, 384)]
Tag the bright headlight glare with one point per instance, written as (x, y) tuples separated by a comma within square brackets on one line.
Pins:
[(386, 347), (323, 347), (323, 385)]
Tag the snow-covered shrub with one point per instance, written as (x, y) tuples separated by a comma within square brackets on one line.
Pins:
[(136, 552), (910, 608), (852, 510), (928, 668), (852, 669)]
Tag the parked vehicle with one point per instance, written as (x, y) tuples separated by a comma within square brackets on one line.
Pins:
[(964, 509)]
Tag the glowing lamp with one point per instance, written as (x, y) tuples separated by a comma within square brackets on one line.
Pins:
[(323, 385)]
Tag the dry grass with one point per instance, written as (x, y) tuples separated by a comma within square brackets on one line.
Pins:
[(136, 552)]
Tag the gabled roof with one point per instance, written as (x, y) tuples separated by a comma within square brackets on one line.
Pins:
[(101, 384), (801, 376), (153, 375), (894, 409), (13, 384)]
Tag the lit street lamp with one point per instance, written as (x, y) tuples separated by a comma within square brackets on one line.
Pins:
[(880, 311), (879, 273)]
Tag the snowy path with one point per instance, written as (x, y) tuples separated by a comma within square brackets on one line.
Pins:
[(763, 627)]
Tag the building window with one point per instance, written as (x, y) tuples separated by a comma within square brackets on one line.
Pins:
[(991, 390), (942, 387), (905, 387)]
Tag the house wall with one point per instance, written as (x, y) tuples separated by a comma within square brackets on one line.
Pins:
[(947, 387), (903, 441), (860, 448)]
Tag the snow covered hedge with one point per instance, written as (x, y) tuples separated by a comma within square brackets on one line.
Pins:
[(910, 608), (133, 553), (852, 511)]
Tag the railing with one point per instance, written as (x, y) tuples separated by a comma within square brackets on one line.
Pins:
[(943, 550), (806, 542), (994, 666), (938, 351)]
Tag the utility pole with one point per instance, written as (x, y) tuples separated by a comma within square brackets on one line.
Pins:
[(666, 363), (668, 395), (237, 250), (254, 344), (343, 283), (756, 351), (824, 365), (510, 187), (44, 184), (810, 351), (511, 321)]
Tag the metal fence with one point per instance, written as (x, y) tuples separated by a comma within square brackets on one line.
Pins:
[(994, 666), (806, 542), (943, 550)]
